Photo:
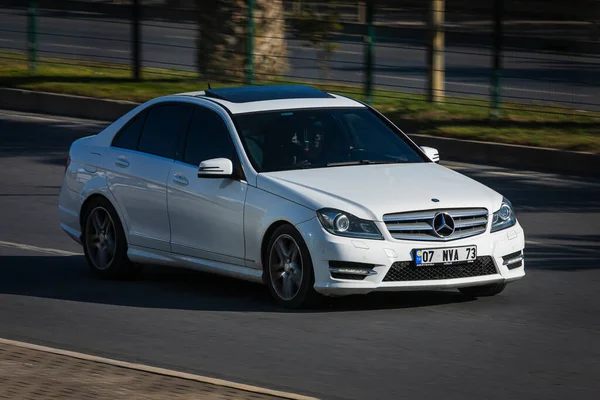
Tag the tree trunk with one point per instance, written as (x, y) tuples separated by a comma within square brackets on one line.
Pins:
[(435, 52), (221, 43)]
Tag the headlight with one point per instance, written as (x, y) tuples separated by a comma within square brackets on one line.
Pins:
[(504, 217), (343, 224)]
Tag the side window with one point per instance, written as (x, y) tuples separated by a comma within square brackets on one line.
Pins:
[(129, 135), (208, 137), (162, 129)]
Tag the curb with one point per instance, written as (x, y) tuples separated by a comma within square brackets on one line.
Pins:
[(160, 371), (514, 156), (467, 151), (63, 104)]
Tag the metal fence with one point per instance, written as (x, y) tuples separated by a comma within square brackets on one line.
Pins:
[(493, 51)]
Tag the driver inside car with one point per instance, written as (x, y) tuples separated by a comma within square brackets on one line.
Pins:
[(309, 142)]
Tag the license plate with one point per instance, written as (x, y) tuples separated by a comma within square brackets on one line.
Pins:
[(445, 256)]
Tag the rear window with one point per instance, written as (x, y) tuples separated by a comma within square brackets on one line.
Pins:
[(162, 129), (129, 135)]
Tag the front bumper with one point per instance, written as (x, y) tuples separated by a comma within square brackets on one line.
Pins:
[(325, 247)]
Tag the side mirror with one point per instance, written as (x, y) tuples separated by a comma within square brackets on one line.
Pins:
[(215, 168), (432, 153)]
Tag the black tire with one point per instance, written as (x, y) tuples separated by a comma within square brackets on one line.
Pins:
[(305, 296), (483, 291), (118, 266)]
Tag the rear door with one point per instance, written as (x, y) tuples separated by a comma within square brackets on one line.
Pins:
[(207, 214), (142, 156)]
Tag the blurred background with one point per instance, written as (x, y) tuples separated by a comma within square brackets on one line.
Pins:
[(503, 69), (518, 72)]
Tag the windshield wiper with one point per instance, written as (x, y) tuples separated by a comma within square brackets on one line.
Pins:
[(360, 162), (307, 164)]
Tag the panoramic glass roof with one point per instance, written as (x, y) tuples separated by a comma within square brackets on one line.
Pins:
[(248, 94)]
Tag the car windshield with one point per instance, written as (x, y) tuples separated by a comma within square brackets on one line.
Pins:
[(318, 138)]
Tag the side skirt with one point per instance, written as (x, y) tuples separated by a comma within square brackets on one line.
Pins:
[(143, 255)]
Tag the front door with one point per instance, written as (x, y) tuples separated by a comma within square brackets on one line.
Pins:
[(206, 214)]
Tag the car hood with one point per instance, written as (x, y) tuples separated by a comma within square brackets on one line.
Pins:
[(370, 191)]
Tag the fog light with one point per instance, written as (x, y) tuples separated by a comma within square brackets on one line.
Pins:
[(350, 270)]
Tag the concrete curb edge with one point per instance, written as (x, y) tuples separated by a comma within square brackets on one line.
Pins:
[(468, 151), (63, 104), (156, 370), (514, 156)]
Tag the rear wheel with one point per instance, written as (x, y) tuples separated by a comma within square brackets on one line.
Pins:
[(289, 270), (104, 243), (483, 291)]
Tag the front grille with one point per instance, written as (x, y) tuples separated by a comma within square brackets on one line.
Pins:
[(418, 225), (407, 271)]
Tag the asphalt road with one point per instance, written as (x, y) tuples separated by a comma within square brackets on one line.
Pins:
[(538, 339), (527, 76)]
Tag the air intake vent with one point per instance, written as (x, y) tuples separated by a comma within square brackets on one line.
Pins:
[(513, 260), (407, 271)]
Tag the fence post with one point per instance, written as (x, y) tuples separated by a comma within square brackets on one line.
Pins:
[(32, 35), (369, 42), (136, 38), (250, 44), (435, 52), (297, 7), (497, 57), (362, 18)]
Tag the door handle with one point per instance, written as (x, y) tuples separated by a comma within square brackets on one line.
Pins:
[(180, 180), (122, 162)]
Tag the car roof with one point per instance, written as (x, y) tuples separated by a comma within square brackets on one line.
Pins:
[(247, 99)]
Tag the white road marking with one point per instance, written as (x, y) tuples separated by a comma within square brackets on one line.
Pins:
[(6, 40), (511, 174), (73, 46), (335, 51), (71, 12), (57, 148), (50, 118), (159, 371), (532, 242), (479, 85), (400, 78), (180, 37), (37, 249)]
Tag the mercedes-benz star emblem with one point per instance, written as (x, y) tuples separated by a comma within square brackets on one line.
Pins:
[(443, 224)]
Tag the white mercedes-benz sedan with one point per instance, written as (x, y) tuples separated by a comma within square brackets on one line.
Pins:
[(308, 192)]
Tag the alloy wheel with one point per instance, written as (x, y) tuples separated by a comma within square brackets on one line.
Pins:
[(100, 238), (285, 267)]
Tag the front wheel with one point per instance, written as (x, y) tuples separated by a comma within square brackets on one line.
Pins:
[(289, 269), (483, 291)]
